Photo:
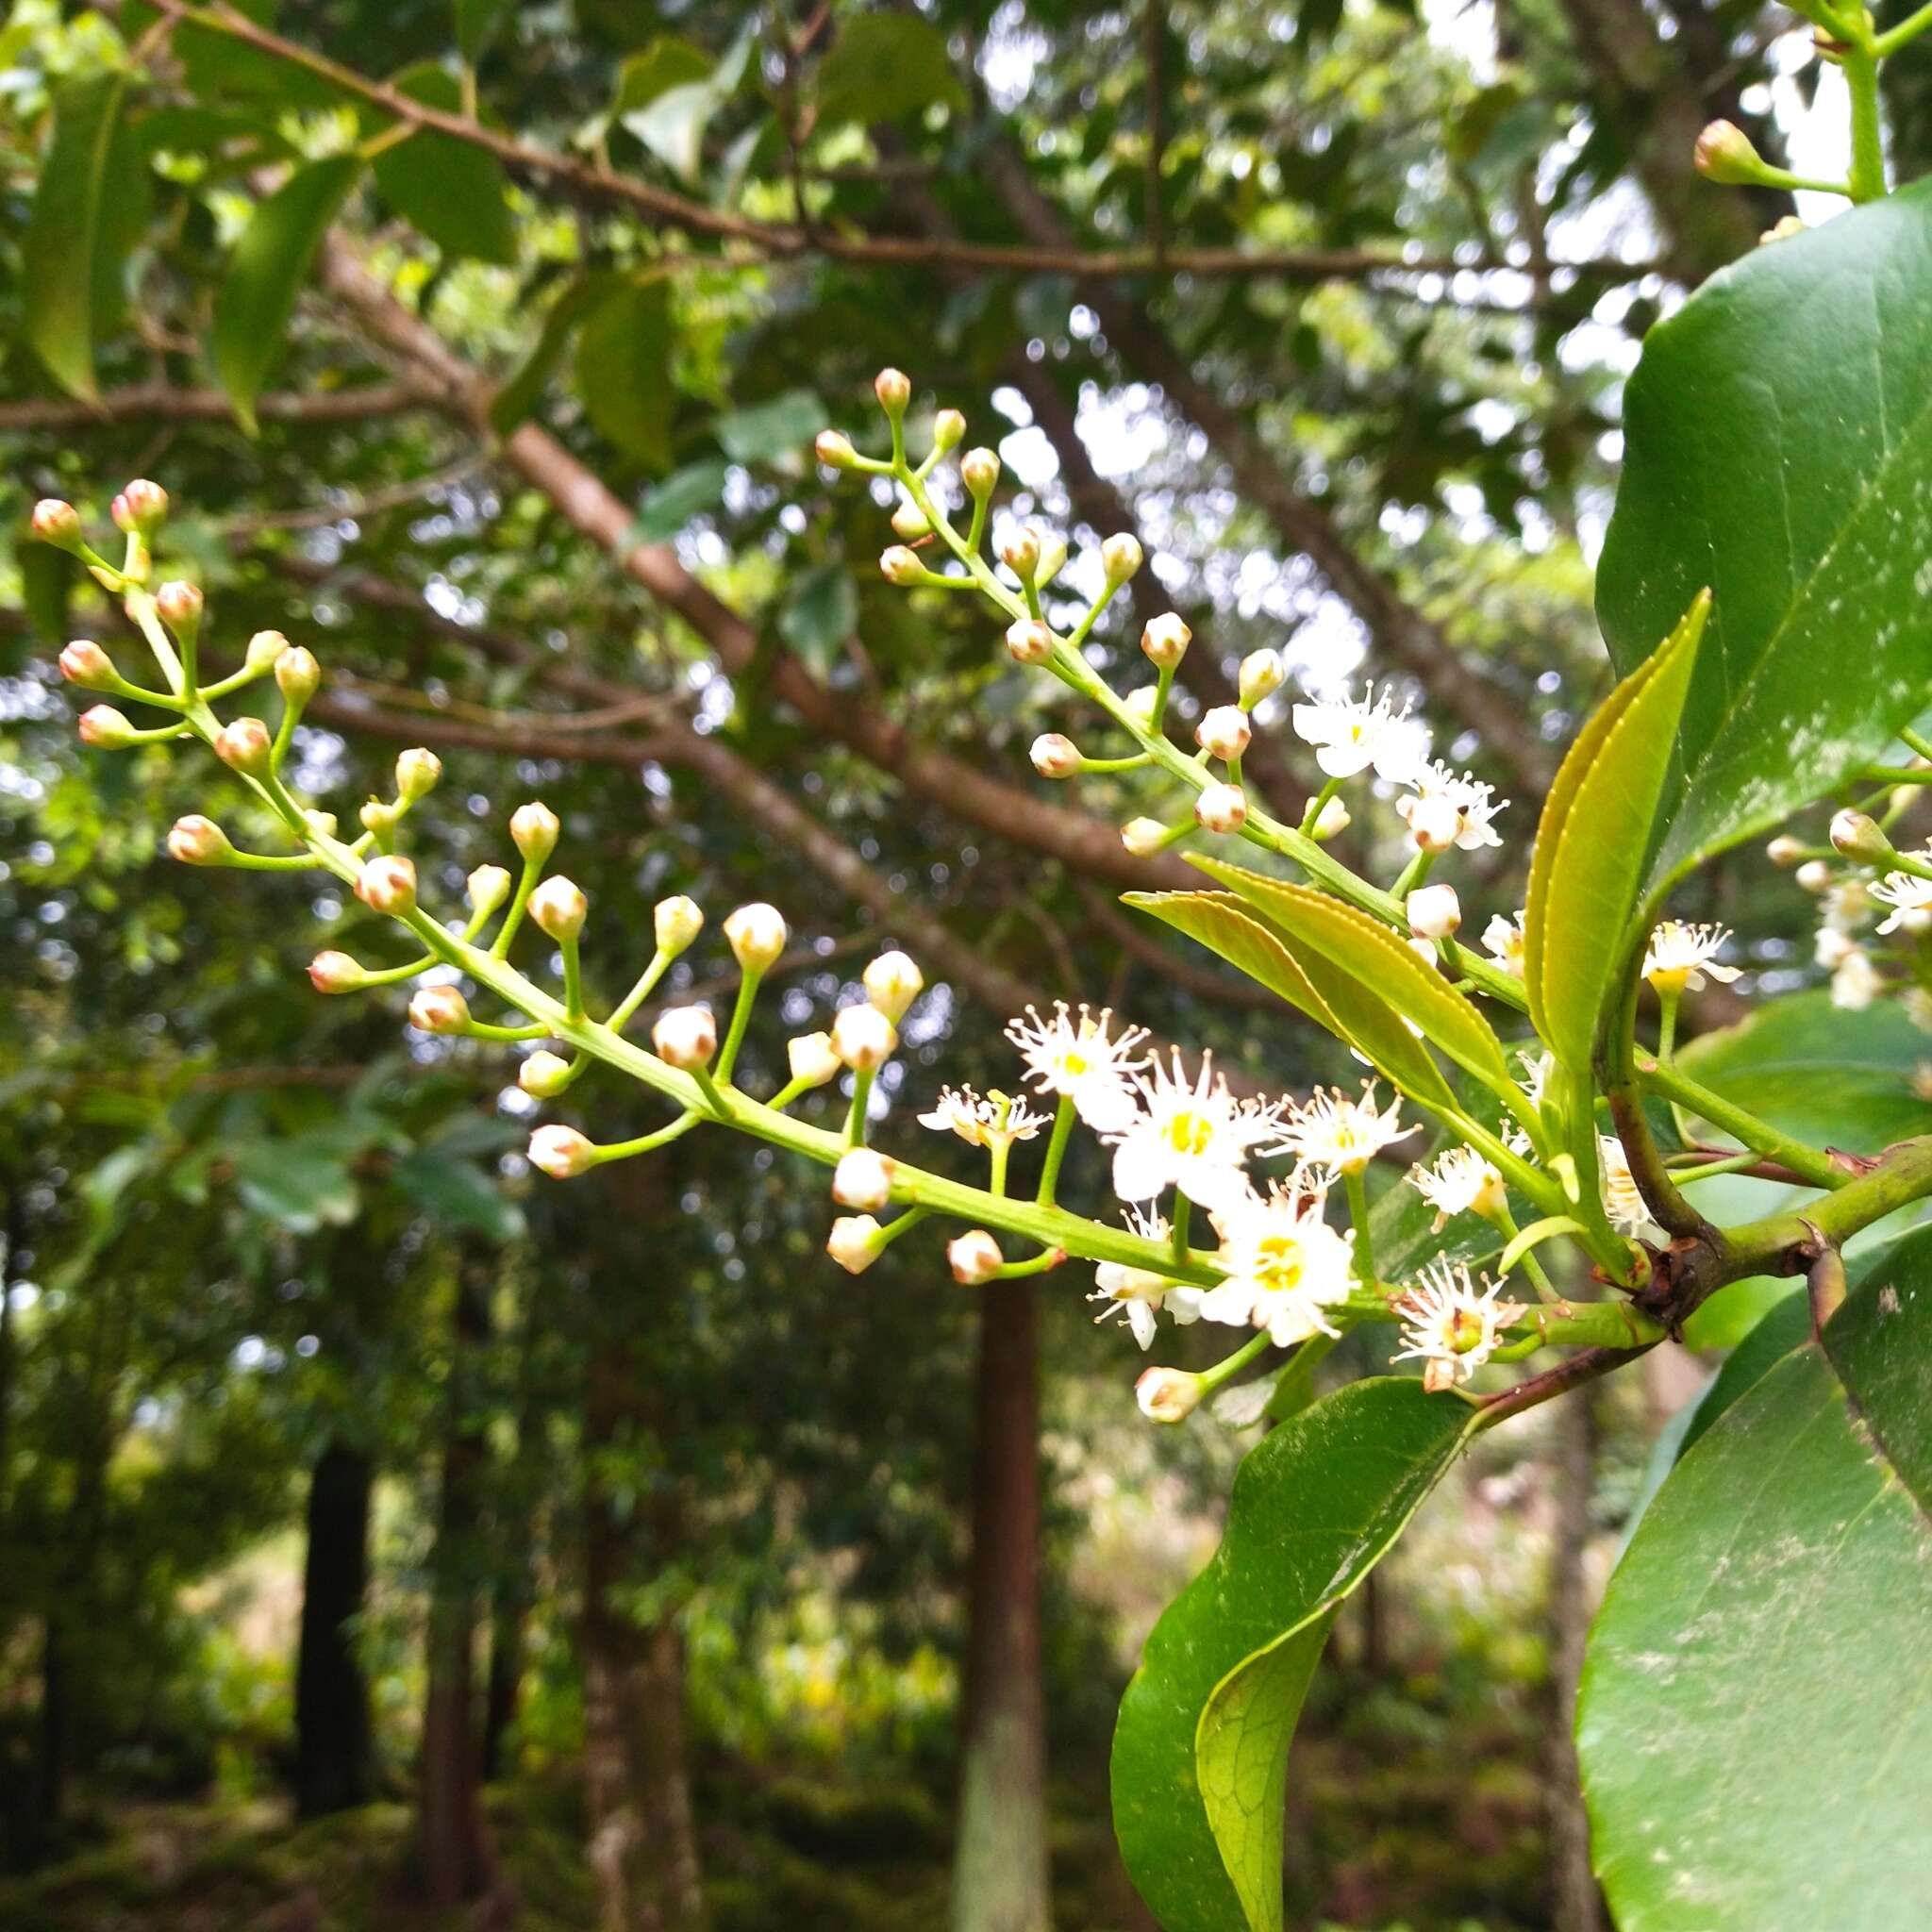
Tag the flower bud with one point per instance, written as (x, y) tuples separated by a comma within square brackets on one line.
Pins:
[(864, 1038), (676, 922), (1434, 911), (378, 815), (1854, 835), (544, 1074), (197, 840), (812, 1058), (265, 649), (1167, 1395), (899, 565), (862, 1179), (979, 469), (1055, 756), (1143, 838), (245, 745), (417, 771), (948, 430), (893, 982), (322, 824), (1814, 875), (1119, 557), (1053, 553), (563, 1153), (140, 507), (59, 523), (757, 936), (1785, 850), (854, 1242), (298, 676), (1165, 638), (179, 606), (336, 972), (974, 1256), (558, 906), (1724, 154), (685, 1037), (1029, 640), (387, 884), (439, 1009), (834, 449), (107, 729), (1332, 819), (533, 831), (1433, 823), (83, 662), (1221, 808), (893, 389), (488, 888), (1144, 703), (1020, 552), (1223, 733), (911, 522), (1261, 675)]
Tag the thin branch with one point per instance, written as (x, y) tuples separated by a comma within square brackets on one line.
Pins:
[(164, 402)]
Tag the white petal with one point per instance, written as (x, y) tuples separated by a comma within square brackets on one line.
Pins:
[(1141, 1320), (1139, 1172)]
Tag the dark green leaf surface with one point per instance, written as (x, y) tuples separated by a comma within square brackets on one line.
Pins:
[(453, 193), (882, 66), (1314, 1507), (821, 612), (783, 426), (624, 369), (683, 494), (520, 394), (477, 22), (1777, 450)]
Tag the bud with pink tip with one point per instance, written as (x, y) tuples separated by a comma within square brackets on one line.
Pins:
[(1221, 808), (862, 1179), (1119, 557), (1332, 819), (558, 906), (265, 650), (1167, 1395), (899, 565), (197, 840), (386, 884), (756, 934), (1055, 756), (893, 387), (979, 469), (1434, 822), (57, 522), (138, 508), (1856, 835), (1262, 673), (854, 1242), (1020, 552), (893, 982), (676, 922), (107, 729), (298, 676), (417, 771), (488, 886), (1223, 733), (974, 1256), (179, 606), (533, 831), (911, 522), (1785, 851), (336, 972), (544, 1074), (83, 662), (439, 1009), (948, 430), (812, 1058), (864, 1038), (563, 1153), (834, 449), (1029, 640), (245, 745), (685, 1037), (1165, 638), (1143, 837), (1724, 154), (1433, 913)]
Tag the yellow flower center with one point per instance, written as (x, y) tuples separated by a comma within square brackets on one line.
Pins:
[(1280, 1262), (1190, 1133)]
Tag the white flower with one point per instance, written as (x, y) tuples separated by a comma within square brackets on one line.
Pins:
[(1433, 912), (1260, 676), (1074, 1057), (1502, 942), (1910, 899), (1332, 819), (1460, 1181), (1681, 955), (1137, 1292), (1351, 734), (1194, 1137), (1338, 1135), (1623, 1203), (1285, 1264), (1450, 1325), (561, 1153), (1473, 804), (757, 936), (1223, 732), (1847, 904), (1832, 948), (1856, 983), (989, 1123), (812, 1059), (1221, 808)]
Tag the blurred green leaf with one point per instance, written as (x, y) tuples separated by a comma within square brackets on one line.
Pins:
[(669, 61), (624, 369), (882, 66), (453, 193), (458, 1196), (783, 426), (685, 493), (820, 613), (521, 393), (477, 22)]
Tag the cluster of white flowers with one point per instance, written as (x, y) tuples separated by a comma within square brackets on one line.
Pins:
[(1877, 879)]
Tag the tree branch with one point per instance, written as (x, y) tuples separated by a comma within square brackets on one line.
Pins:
[(162, 402)]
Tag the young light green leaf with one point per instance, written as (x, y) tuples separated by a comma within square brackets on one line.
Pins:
[(672, 122), (1753, 1752), (884, 65), (270, 264), (453, 193), (1588, 858), (624, 369), (1777, 450), (1200, 1750)]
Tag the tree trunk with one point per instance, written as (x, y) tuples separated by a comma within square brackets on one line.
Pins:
[(1575, 1904), (331, 1693), (504, 1691), (1000, 1864)]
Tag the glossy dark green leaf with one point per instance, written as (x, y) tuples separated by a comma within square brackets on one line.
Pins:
[(271, 262), (783, 426), (624, 369), (1777, 450), (1201, 1748), (1785, 1325), (452, 192), (884, 65), (218, 65), (1756, 1718), (820, 613)]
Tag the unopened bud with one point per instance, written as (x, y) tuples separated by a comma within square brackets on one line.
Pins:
[(245, 745), (83, 662), (1724, 154), (911, 522), (140, 507), (855, 1243), (57, 522), (298, 676), (1167, 1395), (179, 606), (1784, 850), (1223, 732), (1433, 822), (322, 824), (862, 1179), (378, 816), (1434, 912), (488, 888), (974, 1256), (1119, 557), (264, 651), (1165, 638), (864, 1038), (812, 1059), (685, 1037), (1332, 819), (439, 1009), (197, 840), (1143, 838), (834, 449), (1053, 553), (544, 1074), (1143, 704), (533, 831), (1856, 835), (1221, 808), (893, 982), (676, 922), (1029, 640), (1055, 756), (1814, 875), (107, 729), (893, 389), (756, 934), (1020, 552), (1261, 675), (948, 430), (979, 469), (563, 1153), (336, 972), (899, 565), (558, 906), (417, 771), (386, 884)]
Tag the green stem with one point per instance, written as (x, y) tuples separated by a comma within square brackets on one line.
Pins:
[(1676, 1086), (1177, 1235), (622, 1013), (645, 1143), (1867, 181), (1521, 1247), (740, 1019), (1231, 1365), (1358, 1192), (1055, 1153), (1915, 741), (856, 1114)]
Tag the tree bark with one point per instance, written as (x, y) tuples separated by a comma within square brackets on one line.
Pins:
[(1000, 1877), (1575, 1904), (332, 1735)]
